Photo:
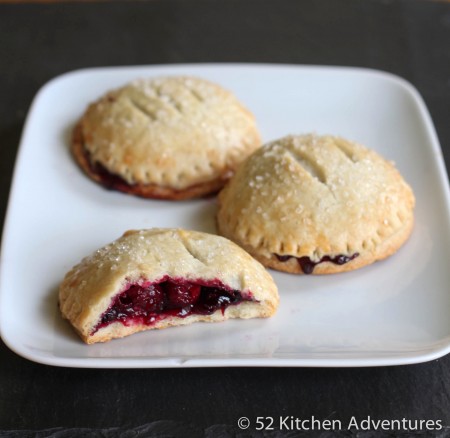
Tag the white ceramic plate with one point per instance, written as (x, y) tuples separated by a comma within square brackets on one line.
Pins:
[(393, 312)]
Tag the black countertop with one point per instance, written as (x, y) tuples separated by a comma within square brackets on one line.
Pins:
[(410, 38)]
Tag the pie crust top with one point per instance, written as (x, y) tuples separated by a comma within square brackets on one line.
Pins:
[(149, 256), (174, 132), (316, 196)]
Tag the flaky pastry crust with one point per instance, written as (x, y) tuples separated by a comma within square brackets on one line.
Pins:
[(89, 288), (169, 137), (311, 197)]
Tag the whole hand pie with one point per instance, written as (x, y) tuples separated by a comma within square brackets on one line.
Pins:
[(169, 137), (156, 278), (316, 204)]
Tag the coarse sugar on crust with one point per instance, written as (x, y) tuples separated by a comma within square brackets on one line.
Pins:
[(316, 204), (171, 137)]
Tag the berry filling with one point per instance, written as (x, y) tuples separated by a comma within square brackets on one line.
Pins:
[(308, 265), (111, 181), (148, 303), (107, 179)]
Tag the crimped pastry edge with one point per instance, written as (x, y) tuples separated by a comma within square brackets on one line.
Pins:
[(382, 251)]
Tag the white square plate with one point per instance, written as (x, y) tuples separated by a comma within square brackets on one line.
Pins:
[(393, 312)]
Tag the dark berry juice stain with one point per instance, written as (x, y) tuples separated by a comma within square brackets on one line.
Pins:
[(107, 179), (307, 265), (110, 180)]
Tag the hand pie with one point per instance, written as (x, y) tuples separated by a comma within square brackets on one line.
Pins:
[(316, 204), (168, 137), (156, 278)]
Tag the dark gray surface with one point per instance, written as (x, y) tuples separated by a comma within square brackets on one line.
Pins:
[(37, 42)]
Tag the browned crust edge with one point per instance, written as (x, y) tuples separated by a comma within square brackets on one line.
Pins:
[(291, 266), (151, 191)]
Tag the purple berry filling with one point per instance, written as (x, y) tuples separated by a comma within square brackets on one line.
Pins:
[(308, 265), (148, 303)]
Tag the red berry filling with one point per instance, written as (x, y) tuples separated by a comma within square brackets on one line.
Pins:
[(147, 303), (308, 265)]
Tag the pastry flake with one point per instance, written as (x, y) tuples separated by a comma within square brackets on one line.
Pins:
[(316, 204), (171, 137), (156, 278)]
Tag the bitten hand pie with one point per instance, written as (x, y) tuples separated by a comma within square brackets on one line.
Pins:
[(156, 278), (316, 204), (168, 137)]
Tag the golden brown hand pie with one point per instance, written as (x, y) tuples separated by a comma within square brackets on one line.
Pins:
[(316, 204), (169, 137), (156, 278)]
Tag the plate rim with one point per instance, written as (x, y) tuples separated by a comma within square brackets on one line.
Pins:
[(442, 346)]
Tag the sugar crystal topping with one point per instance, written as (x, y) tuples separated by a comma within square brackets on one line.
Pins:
[(309, 188), (155, 253)]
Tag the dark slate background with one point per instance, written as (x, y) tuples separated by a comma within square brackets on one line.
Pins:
[(410, 38)]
